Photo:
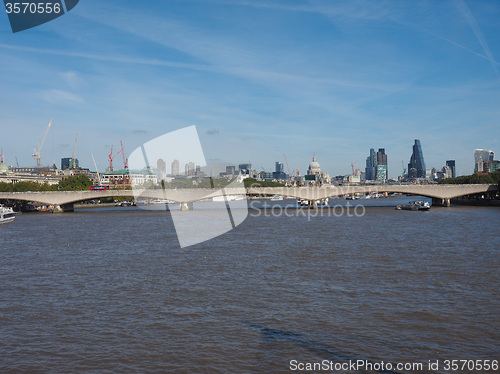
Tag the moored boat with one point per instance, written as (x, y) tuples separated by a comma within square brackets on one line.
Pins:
[(6, 214), (415, 205)]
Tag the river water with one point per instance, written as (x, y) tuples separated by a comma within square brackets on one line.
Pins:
[(111, 291)]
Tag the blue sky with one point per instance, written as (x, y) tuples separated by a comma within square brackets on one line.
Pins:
[(259, 79)]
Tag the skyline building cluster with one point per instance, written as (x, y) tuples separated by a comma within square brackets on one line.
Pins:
[(484, 161), (376, 165), (376, 170)]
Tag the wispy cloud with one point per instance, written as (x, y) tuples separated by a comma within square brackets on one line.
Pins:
[(61, 97), (464, 9)]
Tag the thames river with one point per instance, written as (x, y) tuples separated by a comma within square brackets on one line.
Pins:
[(111, 291)]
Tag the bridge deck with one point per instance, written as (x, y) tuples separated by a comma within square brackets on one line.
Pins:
[(310, 193)]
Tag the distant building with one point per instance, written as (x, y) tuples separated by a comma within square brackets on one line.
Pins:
[(161, 165), (490, 166), (480, 156), (279, 173), (189, 169), (124, 179), (444, 173), (315, 175), (376, 165), (371, 164), (69, 163), (416, 167), (175, 167), (4, 169), (245, 168), (231, 170), (451, 165)]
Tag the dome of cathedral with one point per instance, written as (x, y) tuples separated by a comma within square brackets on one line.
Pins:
[(314, 167)]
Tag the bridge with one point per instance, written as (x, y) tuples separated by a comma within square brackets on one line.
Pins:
[(441, 194)]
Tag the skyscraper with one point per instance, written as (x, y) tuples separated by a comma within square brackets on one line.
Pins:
[(280, 171), (451, 165), (480, 156), (161, 165), (416, 167), (279, 167), (371, 163), (381, 165), (189, 168), (175, 167), (376, 165)]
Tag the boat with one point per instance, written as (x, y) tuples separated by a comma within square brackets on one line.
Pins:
[(6, 214), (224, 198), (415, 205), (320, 202), (276, 198)]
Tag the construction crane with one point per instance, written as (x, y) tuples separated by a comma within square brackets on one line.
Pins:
[(288, 167), (111, 157), (125, 160), (97, 170), (37, 152), (73, 159), (352, 166)]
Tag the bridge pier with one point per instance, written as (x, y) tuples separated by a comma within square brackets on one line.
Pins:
[(186, 206), (63, 208), (436, 201)]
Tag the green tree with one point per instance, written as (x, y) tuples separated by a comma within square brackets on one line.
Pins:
[(251, 182), (75, 183)]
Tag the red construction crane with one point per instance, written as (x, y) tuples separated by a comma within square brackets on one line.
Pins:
[(125, 160), (111, 157), (352, 166)]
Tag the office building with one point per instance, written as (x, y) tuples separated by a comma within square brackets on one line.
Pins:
[(279, 172), (189, 168), (451, 165), (175, 167), (69, 163), (416, 167), (376, 165), (480, 156)]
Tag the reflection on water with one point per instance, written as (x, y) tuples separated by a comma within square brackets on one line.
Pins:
[(112, 291)]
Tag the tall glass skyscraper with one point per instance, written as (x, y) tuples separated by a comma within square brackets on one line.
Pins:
[(451, 165), (376, 165), (416, 167), (371, 166)]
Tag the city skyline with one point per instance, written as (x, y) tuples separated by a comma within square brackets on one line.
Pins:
[(258, 80)]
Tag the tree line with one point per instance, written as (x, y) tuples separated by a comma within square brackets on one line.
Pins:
[(491, 178), (75, 183)]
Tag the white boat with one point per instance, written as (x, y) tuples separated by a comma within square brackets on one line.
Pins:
[(160, 201), (415, 205), (228, 198), (6, 214), (276, 198)]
